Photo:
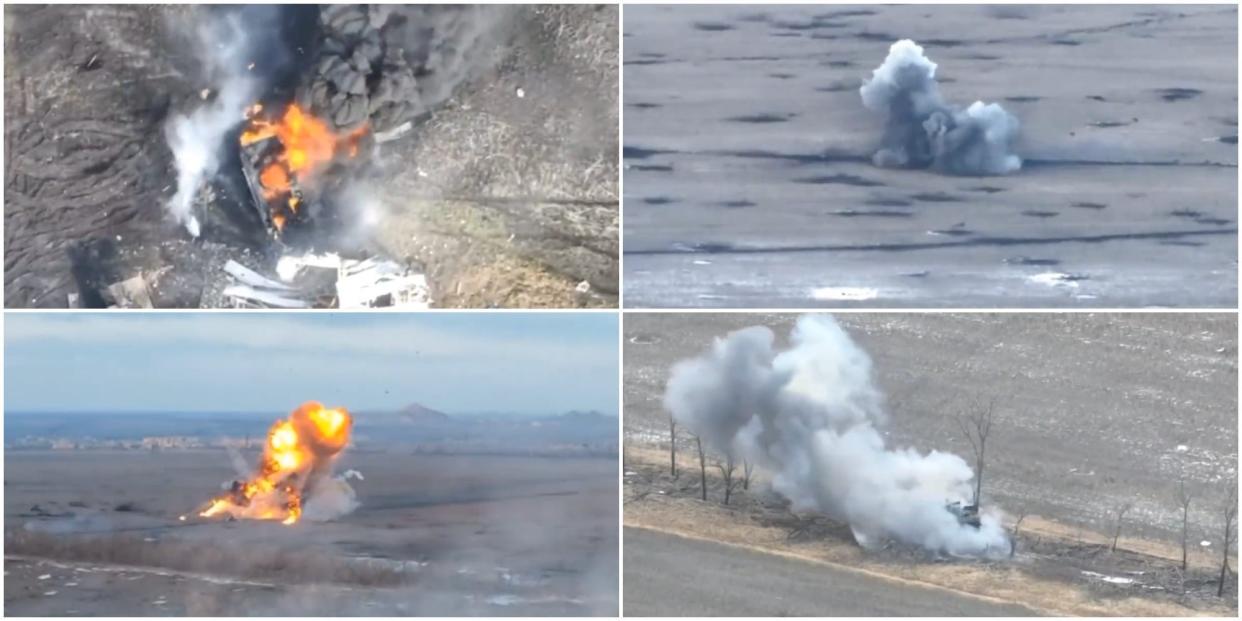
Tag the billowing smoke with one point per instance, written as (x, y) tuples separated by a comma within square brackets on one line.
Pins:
[(225, 46), (809, 415), (383, 65), (921, 131), (361, 70)]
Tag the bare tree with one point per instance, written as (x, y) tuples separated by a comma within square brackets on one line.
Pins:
[(747, 470), (672, 446), (1017, 528), (1184, 497), (976, 425), (702, 466), (1231, 514), (726, 472), (1120, 512)]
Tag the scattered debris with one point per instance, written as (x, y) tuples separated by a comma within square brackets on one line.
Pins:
[(345, 283), (130, 293), (376, 282), (1107, 578), (394, 133)]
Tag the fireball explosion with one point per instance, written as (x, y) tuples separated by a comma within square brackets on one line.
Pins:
[(297, 460)]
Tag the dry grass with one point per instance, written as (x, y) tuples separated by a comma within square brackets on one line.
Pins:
[(268, 563)]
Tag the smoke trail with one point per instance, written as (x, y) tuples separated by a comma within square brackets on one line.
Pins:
[(225, 44), (809, 415), (921, 131)]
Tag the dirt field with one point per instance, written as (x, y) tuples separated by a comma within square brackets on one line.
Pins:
[(435, 535), (749, 182), (507, 196), (1094, 410)]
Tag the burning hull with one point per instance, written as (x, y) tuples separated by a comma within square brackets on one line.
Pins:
[(288, 162), (253, 159)]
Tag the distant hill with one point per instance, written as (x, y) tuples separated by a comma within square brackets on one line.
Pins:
[(414, 427), (587, 416), (419, 413)]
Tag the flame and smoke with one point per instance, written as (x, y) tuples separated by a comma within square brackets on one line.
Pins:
[(297, 465), (307, 147)]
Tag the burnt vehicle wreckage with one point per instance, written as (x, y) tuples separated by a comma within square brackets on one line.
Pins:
[(277, 213), (967, 515)]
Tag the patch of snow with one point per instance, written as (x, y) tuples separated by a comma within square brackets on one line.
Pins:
[(853, 294), (1053, 279)]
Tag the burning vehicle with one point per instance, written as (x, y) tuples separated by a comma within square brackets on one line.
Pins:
[(309, 156), (306, 142), (296, 468)]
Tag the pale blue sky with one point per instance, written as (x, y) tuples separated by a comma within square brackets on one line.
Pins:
[(521, 363)]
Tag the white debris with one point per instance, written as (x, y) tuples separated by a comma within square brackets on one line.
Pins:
[(368, 283), (45, 576), (520, 93), (204, 94), (1182, 448), (49, 593), (1206, 544), (246, 294), (289, 266), (376, 282), (394, 133), (1108, 579), (583, 287), (250, 277)]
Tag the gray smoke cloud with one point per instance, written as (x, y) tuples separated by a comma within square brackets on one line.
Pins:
[(810, 416), (224, 45), (922, 131)]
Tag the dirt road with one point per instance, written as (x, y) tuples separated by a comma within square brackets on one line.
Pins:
[(669, 576), (748, 181)]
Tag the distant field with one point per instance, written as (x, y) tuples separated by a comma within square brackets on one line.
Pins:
[(438, 535), (748, 180)]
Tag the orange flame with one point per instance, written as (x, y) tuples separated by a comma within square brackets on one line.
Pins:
[(296, 449), (308, 146)]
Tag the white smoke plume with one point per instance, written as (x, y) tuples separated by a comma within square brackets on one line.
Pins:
[(331, 498), (921, 131), (224, 45), (809, 415)]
